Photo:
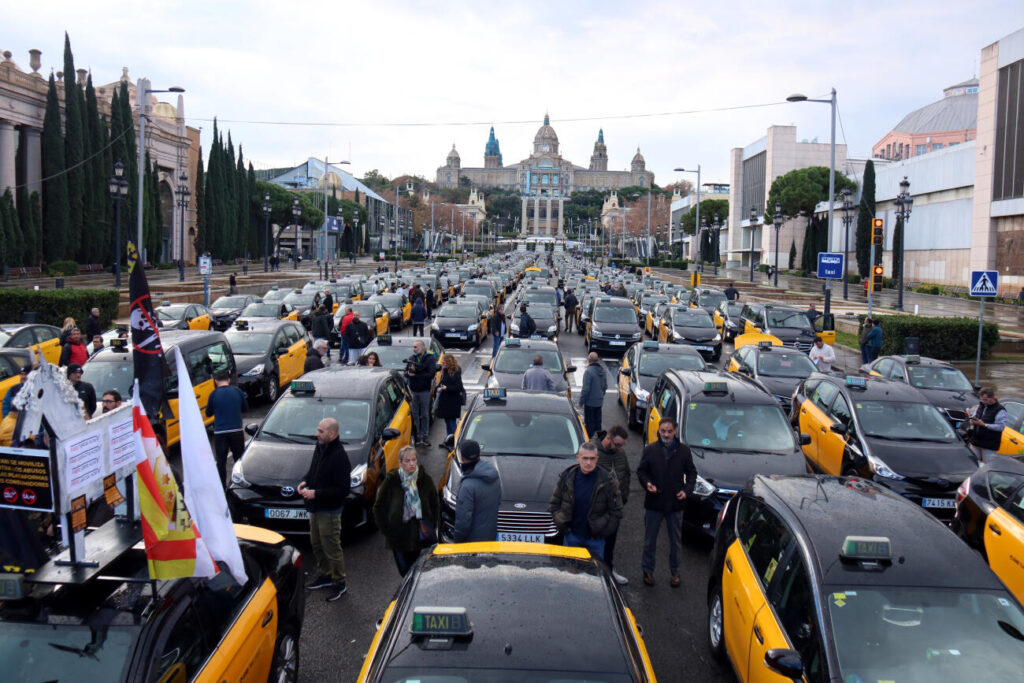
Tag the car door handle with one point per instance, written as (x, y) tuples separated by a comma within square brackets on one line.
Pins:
[(996, 530), (803, 411), (1013, 440), (823, 430), (757, 634), (728, 564), (266, 619)]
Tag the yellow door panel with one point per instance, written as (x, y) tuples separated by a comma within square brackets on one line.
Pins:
[(402, 421), (1012, 442), (294, 315), (375, 642), (733, 365), (742, 599), (382, 324), (50, 350), (296, 362), (719, 322), (831, 448), (748, 327), (653, 419), (406, 313), (201, 322), (624, 388), (1004, 545), (766, 635), (357, 297), (6, 385), (828, 336), (247, 649), (171, 420), (811, 418)]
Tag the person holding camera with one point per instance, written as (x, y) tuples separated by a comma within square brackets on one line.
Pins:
[(420, 369)]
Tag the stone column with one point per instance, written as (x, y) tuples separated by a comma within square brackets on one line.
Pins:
[(30, 138), (561, 212), (536, 215), (547, 218), (8, 148), (525, 218)]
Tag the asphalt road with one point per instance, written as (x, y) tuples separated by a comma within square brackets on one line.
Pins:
[(335, 637)]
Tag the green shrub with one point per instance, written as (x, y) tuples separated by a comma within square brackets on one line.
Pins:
[(762, 268), (53, 305), (58, 268), (800, 273), (929, 289), (167, 265), (941, 338), (853, 278)]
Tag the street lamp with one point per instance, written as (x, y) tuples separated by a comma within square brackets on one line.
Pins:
[(143, 91), (778, 228), (753, 227), (847, 208), (266, 232), (183, 194), (904, 203), (700, 258), (296, 212), (118, 187), (716, 229)]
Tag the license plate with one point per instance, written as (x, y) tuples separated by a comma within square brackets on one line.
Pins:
[(520, 538), (704, 348), (286, 513), (938, 503), (618, 343)]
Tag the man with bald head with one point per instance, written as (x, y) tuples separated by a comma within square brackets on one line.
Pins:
[(324, 489)]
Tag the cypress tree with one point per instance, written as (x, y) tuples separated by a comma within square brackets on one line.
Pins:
[(15, 244), (212, 195), (200, 203), (792, 254), (243, 227), (74, 154), (55, 183), (29, 228), (96, 224), (36, 217), (807, 253), (865, 212), (253, 210), (5, 259), (230, 185), (129, 206)]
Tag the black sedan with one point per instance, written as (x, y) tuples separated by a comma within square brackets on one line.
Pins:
[(268, 355), (775, 369), (944, 385), (303, 303), (460, 321), (225, 310), (515, 357), (693, 327), (613, 325), (640, 368)]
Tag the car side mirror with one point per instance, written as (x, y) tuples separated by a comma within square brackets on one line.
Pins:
[(282, 350), (839, 428), (785, 663), (976, 388), (449, 442), (390, 434), (252, 428), (805, 439), (571, 368), (624, 372), (486, 367)]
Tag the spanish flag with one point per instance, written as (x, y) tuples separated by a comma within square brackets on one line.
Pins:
[(174, 547)]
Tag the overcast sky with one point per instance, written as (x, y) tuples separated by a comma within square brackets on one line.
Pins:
[(437, 63)]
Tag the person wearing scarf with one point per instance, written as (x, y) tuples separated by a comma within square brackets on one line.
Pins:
[(407, 510)]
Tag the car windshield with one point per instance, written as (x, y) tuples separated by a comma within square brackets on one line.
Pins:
[(67, 651), (938, 377), (787, 319), (300, 300), (170, 313), (229, 302), (390, 300), (457, 311), (275, 295), (653, 364), (903, 420), (518, 360), (738, 427), (541, 311), (925, 634), (261, 311), (104, 374), (524, 433), (484, 290), (541, 297), (710, 298), (614, 314), (296, 417), (249, 343), (695, 318), (734, 308), (391, 356), (775, 364), (648, 301)]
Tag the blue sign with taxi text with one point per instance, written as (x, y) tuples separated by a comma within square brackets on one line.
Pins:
[(830, 266)]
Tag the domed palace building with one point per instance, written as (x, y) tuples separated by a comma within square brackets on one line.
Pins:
[(544, 179)]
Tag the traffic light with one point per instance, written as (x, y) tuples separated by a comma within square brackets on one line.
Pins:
[(876, 278), (876, 231)]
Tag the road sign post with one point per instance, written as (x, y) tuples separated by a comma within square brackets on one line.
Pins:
[(831, 266), (205, 268), (984, 284)]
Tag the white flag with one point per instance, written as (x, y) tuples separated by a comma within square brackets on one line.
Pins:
[(204, 491)]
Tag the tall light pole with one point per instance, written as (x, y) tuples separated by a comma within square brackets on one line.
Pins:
[(753, 227), (142, 91), (118, 187), (716, 227), (847, 209), (266, 232), (778, 228), (183, 194), (296, 213), (700, 258), (904, 203)]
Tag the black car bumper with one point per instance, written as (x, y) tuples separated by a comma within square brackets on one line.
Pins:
[(448, 338), (935, 496), (261, 507), (702, 511), (253, 386), (533, 525), (601, 344)]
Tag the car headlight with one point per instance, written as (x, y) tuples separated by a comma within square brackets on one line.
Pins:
[(552, 329), (472, 328), (255, 372), (447, 494), (641, 394), (237, 478), (718, 337), (676, 336), (881, 469), (435, 327), (703, 487), (637, 335), (357, 475), (515, 328)]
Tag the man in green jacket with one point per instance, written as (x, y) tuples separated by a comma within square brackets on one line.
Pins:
[(611, 457)]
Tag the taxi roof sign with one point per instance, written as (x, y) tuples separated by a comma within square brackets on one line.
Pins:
[(119, 344), (855, 382), (495, 394), (866, 548), (650, 346), (303, 386), (384, 340), (716, 388), (512, 341), (765, 345), (242, 325), (440, 621), (911, 359)]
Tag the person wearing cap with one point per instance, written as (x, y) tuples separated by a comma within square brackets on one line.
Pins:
[(476, 506), (85, 391), (13, 391), (226, 405)]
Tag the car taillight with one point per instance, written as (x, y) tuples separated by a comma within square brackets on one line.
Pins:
[(961, 492), (296, 558)]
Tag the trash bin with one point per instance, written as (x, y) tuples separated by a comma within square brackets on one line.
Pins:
[(30, 317), (912, 346), (59, 283)]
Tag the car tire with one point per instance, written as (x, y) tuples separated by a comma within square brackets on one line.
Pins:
[(270, 388), (631, 421), (285, 668), (716, 624)]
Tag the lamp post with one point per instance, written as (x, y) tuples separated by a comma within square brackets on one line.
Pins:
[(778, 228), (753, 227), (716, 229), (847, 209), (904, 203), (143, 91), (266, 232), (700, 258), (183, 194), (296, 213), (118, 187)]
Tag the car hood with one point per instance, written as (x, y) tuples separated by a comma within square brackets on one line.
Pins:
[(780, 386), (457, 323), (225, 312), (790, 334), (625, 329), (949, 400), (732, 469), (268, 462), (699, 334), (524, 478), (246, 363), (925, 459), (514, 380)]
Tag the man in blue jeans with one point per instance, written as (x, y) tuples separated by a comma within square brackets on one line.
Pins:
[(226, 405), (586, 505), (595, 384)]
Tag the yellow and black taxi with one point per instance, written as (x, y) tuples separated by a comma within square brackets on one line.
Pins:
[(583, 310), (707, 298), (347, 289), (546, 318), (303, 303), (372, 313), (647, 308), (226, 309), (789, 324), (543, 294), (461, 320), (268, 355), (372, 407), (182, 316), (774, 368), (612, 325), (11, 363), (515, 357), (727, 319), (733, 429), (110, 622), (481, 287), (205, 353), (398, 306), (990, 517), (940, 382), (45, 339), (449, 621), (817, 578), (267, 311), (531, 437), (640, 368), (1012, 442), (681, 324), (885, 431)]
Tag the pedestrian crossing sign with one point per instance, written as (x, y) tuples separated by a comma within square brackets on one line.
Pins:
[(984, 282)]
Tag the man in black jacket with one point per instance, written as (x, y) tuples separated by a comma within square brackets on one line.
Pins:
[(612, 457), (323, 325), (570, 303), (357, 334), (324, 489), (667, 473), (92, 325), (586, 506), (527, 327), (420, 369)]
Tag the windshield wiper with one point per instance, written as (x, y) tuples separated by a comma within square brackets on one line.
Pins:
[(283, 437)]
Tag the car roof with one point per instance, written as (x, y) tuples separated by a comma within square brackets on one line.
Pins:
[(339, 381), (612, 300), (400, 341), (1002, 463), (922, 360), (828, 509), (878, 389), (530, 344), (692, 382), (521, 399), (673, 349), (263, 326)]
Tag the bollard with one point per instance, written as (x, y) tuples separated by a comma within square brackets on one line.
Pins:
[(58, 283)]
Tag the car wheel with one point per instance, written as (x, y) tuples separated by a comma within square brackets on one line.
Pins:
[(849, 471), (716, 624), (270, 388), (286, 658)]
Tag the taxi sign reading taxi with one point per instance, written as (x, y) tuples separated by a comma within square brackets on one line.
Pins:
[(830, 266), (984, 282)]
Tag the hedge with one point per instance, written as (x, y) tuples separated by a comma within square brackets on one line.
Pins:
[(58, 268), (53, 305), (940, 338)]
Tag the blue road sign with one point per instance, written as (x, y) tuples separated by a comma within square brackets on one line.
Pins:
[(830, 266), (984, 282)]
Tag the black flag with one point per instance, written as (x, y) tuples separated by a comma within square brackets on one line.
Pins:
[(148, 354)]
